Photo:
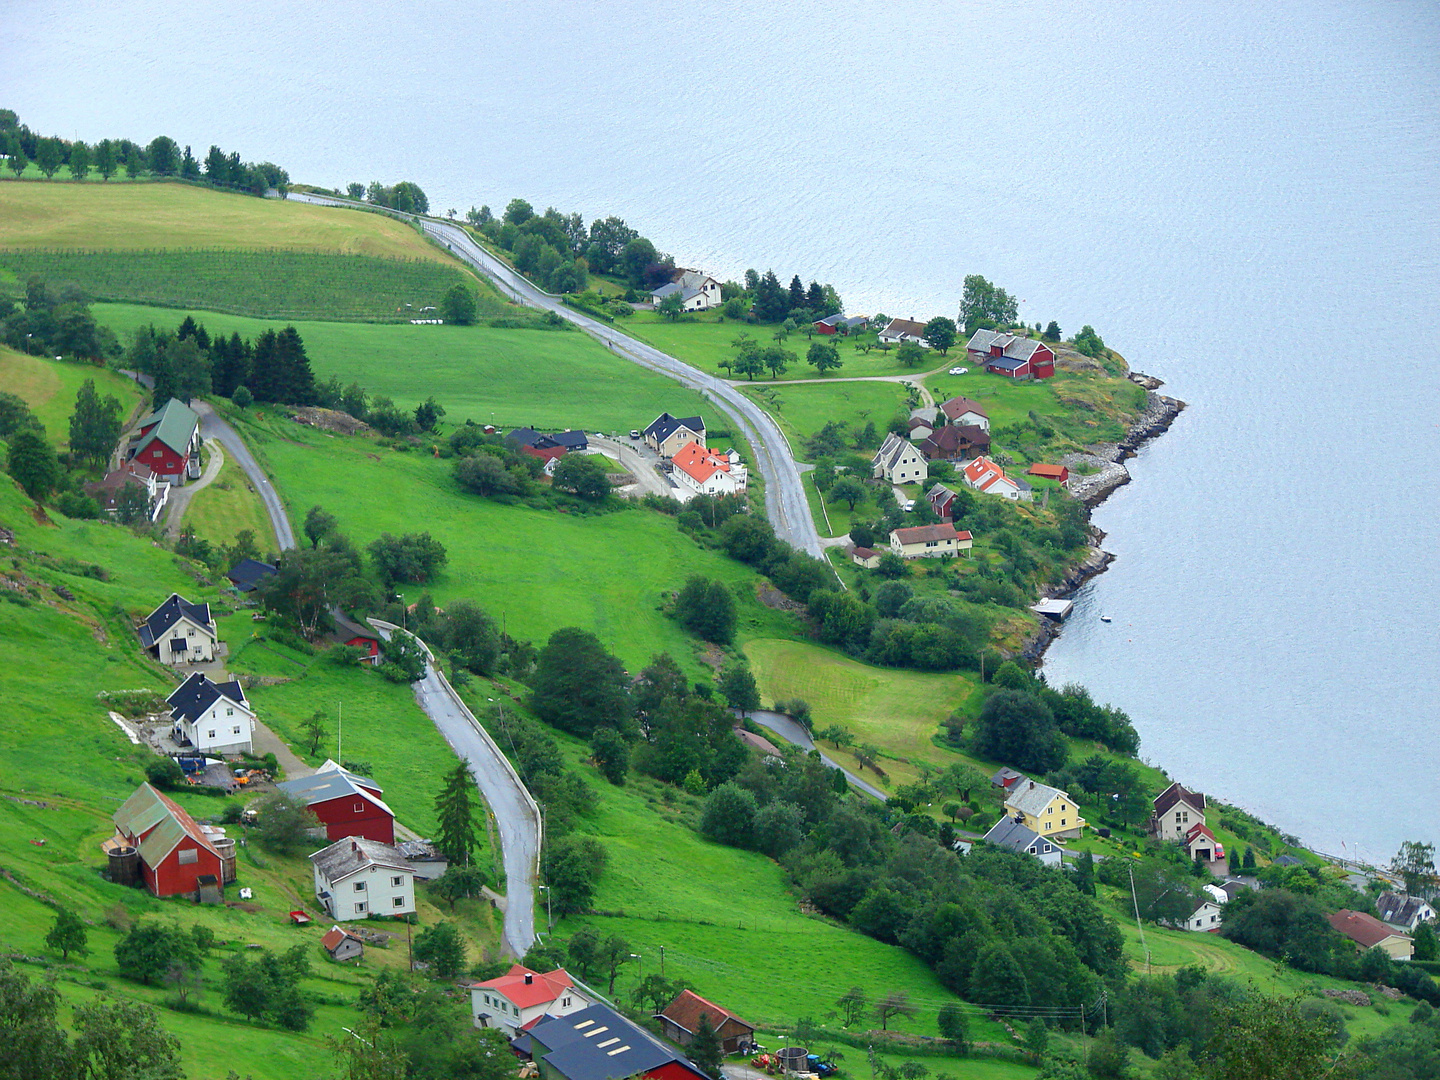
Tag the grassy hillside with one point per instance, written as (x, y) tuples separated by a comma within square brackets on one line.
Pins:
[(804, 409), (520, 377), (50, 388), (227, 505)]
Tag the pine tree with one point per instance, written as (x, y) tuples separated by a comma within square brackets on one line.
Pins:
[(264, 361), (704, 1048), (297, 381), (815, 299), (797, 293), (455, 807)]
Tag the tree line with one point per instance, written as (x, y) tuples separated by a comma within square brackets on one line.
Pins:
[(161, 157)]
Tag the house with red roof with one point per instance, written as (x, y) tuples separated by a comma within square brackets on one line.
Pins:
[(1368, 932), (681, 1017), (1200, 843), (521, 997), (177, 858), (708, 472), (1059, 473), (982, 474)]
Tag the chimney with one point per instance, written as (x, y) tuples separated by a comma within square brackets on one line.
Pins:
[(355, 844), (1032, 784), (529, 978)]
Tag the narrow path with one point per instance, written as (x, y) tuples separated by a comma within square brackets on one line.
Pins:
[(179, 500), (212, 426), (517, 816), (785, 500), (787, 728)]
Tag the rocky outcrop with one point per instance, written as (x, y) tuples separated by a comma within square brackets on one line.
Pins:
[(1092, 565)]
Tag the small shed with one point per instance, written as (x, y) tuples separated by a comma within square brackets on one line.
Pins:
[(869, 558), (342, 945)]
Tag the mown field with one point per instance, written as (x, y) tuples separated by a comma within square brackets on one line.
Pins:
[(803, 409), (538, 570), (543, 379), (50, 388), (225, 506)]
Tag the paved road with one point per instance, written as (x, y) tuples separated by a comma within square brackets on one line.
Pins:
[(788, 510), (213, 427), (516, 816), (179, 499), (639, 464), (787, 728)]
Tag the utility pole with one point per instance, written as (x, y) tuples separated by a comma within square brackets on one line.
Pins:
[(662, 961), (340, 731)]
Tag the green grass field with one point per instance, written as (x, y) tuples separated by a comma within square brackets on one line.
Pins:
[(538, 570), (805, 408), (149, 217), (544, 379), (49, 387), (225, 506)]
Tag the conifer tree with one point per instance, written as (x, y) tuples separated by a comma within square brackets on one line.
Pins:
[(455, 808)]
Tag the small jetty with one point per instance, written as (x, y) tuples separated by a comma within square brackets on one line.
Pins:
[(1054, 608)]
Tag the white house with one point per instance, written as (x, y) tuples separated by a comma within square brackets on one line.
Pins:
[(212, 717), (899, 462), (1010, 834), (1177, 811), (962, 411), (899, 331), (521, 996), (1403, 912), (698, 290), (708, 472), (982, 474), (179, 632), (356, 878), (1204, 918)]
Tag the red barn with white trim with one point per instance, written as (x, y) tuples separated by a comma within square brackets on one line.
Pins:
[(346, 804)]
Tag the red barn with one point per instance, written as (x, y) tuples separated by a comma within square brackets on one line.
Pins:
[(349, 632), (168, 443), (346, 804), (1058, 473), (175, 853), (1011, 355)]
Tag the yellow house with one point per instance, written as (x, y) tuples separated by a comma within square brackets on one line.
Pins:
[(1045, 810)]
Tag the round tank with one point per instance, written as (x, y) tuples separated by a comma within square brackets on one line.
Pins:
[(793, 1058), (125, 866), (226, 848)]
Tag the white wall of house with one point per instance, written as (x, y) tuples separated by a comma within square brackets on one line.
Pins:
[(972, 418), (909, 468), (1179, 820), (928, 549), (200, 642), (504, 1013), (227, 727), (1206, 917), (375, 890)]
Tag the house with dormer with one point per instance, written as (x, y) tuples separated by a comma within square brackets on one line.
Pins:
[(698, 291), (1403, 912), (708, 472), (1044, 810), (898, 462), (1177, 811), (984, 475), (179, 632), (212, 717)]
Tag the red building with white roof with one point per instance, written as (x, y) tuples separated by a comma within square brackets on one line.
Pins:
[(346, 804)]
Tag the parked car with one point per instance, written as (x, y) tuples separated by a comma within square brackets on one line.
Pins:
[(909, 506), (958, 370), (634, 434)]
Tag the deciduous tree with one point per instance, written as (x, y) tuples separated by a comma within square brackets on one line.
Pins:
[(68, 935), (578, 686), (895, 1003), (94, 425), (32, 462), (442, 948), (458, 306), (823, 357)]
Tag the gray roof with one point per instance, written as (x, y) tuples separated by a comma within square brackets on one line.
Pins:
[(354, 854), (1400, 909), (665, 425), (1032, 797), (928, 413), (891, 450), (175, 424), (333, 783), (939, 491), (686, 292), (197, 693), (1014, 347), (169, 613), (247, 574), (1011, 835), (347, 628)]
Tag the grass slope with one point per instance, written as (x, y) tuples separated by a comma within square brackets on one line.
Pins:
[(804, 409), (49, 387), (543, 379), (227, 505)]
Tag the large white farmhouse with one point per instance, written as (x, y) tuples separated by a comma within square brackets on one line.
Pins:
[(356, 878), (212, 717)]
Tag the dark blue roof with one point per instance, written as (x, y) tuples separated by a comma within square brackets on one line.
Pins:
[(168, 614), (665, 425), (597, 1043), (248, 573), (198, 693), (571, 440), (1005, 363), (524, 436)]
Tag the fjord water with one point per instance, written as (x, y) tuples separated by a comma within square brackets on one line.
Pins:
[(1244, 199)]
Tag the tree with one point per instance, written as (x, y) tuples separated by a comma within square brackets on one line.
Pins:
[(163, 156), (487, 475), (738, 685), (707, 608), (146, 953), (242, 397), (49, 156), (32, 1044), (441, 947), (33, 464), (165, 774), (577, 685), (471, 635), (892, 566), (1018, 728), (585, 951), (954, 1025), (780, 827), (313, 729), (459, 306), (80, 159), (940, 332), (749, 359), (582, 475), (123, 1040), (1087, 341), (428, 414), (982, 302), (654, 992), (1037, 1039), (729, 816), (572, 867), (1083, 873), (614, 953), (68, 935), (94, 425), (823, 357), (1415, 863), (1269, 1038), (1424, 942), (847, 489), (895, 1003), (776, 360), (459, 882), (18, 160), (319, 524), (611, 753), (414, 557), (455, 810), (405, 659), (704, 1049), (909, 353), (284, 822), (1052, 332), (672, 307)]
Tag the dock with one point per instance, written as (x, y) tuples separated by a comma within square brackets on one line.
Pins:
[(1055, 608)]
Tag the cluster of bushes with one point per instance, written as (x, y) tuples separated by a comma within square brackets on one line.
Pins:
[(404, 196), (422, 1030), (379, 411), (489, 466), (54, 321), (557, 250), (162, 158)]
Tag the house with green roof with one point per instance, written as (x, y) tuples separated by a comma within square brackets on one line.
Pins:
[(168, 443)]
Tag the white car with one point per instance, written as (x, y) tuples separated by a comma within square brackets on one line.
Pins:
[(958, 370), (909, 506), (634, 434)]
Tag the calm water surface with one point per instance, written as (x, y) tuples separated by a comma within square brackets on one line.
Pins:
[(1245, 202)]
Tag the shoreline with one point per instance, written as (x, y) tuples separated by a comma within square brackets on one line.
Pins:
[(1092, 490)]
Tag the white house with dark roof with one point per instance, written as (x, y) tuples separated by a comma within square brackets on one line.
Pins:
[(698, 290), (1207, 918), (213, 717), (356, 878), (1009, 834), (898, 462), (1403, 912), (179, 632), (1177, 810), (899, 331)]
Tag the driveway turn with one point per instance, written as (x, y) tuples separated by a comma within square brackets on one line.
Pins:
[(517, 817), (214, 427), (786, 506), (639, 464), (179, 500), (787, 728)]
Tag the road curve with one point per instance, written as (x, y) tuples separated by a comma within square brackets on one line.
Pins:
[(517, 817), (212, 426), (788, 728), (786, 505)]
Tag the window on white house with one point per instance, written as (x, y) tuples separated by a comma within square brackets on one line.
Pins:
[(565, 1003), (210, 734), (360, 907), (359, 886), (235, 731), (397, 881), (189, 856), (399, 901)]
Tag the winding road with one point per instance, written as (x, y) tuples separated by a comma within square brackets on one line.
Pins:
[(212, 426), (788, 728), (517, 817), (785, 502)]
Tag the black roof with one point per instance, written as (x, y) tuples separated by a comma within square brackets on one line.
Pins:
[(665, 425), (524, 436), (248, 573), (168, 614), (198, 693), (347, 628), (597, 1043), (571, 440)]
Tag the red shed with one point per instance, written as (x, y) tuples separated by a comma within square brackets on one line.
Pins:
[(1058, 473), (174, 851), (346, 804), (349, 632), (1011, 355)]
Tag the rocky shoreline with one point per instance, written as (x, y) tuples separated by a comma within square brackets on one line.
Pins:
[(1108, 461)]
